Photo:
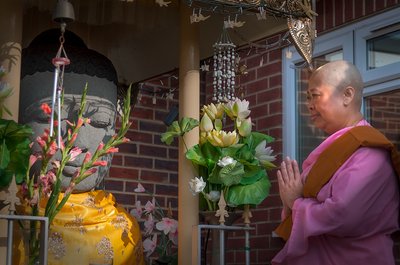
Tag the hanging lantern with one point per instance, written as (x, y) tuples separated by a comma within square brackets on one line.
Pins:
[(224, 74)]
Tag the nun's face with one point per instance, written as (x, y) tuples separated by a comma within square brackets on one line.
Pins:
[(102, 115)]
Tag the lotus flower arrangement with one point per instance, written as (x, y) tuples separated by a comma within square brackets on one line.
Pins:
[(235, 162)]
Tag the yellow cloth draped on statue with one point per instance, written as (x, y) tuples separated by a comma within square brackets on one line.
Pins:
[(92, 225)]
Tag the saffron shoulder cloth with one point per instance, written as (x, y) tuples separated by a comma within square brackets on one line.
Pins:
[(91, 225), (332, 158)]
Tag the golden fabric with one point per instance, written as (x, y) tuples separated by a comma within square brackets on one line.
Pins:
[(92, 225), (332, 158)]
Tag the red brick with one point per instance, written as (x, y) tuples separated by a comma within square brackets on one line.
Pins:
[(276, 133), (147, 101), (269, 95), (125, 173), (269, 122), (338, 12), (131, 186), (277, 147), (320, 18), (243, 79), (269, 69), (266, 255), (369, 6), (128, 148), (174, 204), (111, 185), (358, 8), (167, 190), (156, 151), (142, 113), (134, 125), (173, 178), (124, 198), (173, 153), (274, 81), (275, 214), (254, 62), (328, 14), (257, 86), (152, 126), (117, 160), (251, 99), (266, 229), (348, 10), (154, 176), (160, 115), (390, 2), (259, 111), (241, 256), (166, 164), (274, 55), (140, 162), (140, 137), (275, 107), (277, 242)]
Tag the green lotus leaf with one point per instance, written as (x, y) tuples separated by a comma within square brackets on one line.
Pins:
[(231, 174), (231, 150), (179, 129), (255, 138), (250, 194)]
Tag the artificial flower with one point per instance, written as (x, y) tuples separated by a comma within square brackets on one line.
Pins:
[(263, 155), (35, 199), (197, 185), (226, 161), (149, 207), (100, 163), (69, 189), (173, 236), (87, 157), (46, 109), (5, 90), (140, 188), (138, 211), (222, 138), (32, 160), (245, 127), (89, 172), (214, 195), (237, 108), (149, 245), (149, 224), (167, 225), (213, 111), (112, 150), (101, 145), (74, 153), (76, 174), (206, 124)]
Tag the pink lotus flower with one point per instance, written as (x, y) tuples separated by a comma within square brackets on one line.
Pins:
[(150, 245), (140, 188), (173, 236), (149, 224), (101, 145), (89, 172), (167, 225), (40, 141), (76, 174), (46, 108), (69, 189), (87, 158), (149, 207), (112, 150), (35, 199), (100, 163), (74, 153), (138, 211)]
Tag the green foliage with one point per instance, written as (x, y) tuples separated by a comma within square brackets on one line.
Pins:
[(179, 129), (14, 151), (250, 194)]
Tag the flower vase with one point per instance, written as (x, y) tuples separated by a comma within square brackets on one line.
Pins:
[(31, 242), (215, 235)]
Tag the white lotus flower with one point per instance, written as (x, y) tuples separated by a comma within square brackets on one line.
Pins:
[(226, 161), (237, 108), (263, 155), (214, 195), (197, 185)]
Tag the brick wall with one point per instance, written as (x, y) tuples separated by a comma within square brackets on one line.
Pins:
[(148, 161)]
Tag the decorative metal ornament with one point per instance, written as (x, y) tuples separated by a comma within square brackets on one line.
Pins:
[(63, 12), (224, 73)]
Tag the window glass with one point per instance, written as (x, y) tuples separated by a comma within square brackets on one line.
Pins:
[(383, 50), (308, 137), (382, 111)]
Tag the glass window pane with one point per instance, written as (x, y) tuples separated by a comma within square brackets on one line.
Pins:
[(308, 137), (383, 50), (382, 111)]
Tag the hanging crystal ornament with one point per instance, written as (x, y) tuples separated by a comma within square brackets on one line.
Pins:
[(224, 62)]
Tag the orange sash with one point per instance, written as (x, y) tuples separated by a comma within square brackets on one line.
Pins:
[(332, 158)]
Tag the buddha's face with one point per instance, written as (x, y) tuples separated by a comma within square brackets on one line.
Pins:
[(102, 115)]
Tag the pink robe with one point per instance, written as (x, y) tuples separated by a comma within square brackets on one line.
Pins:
[(353, 216)]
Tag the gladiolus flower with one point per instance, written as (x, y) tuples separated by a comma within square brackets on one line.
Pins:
[(140, 188), (245, 127), (46, 109), (149, 224), (74, 153), (51, 153), (38, 155), (89, 172), (214, 195), (226, 161), (167, 225), (73, 138), (47, 191), (100, 163), (101, 145), (47, 130), (76, 174), (45, 137), (24, 189), (53, 146), (62, 144), (149, 207), (87, 158), (32, 160), (125, 140), (80, 122), (30, 145), (70, 123), (173, 236), (87, 120), (197, 185), (69, 189), (35, 199), (150, 245), (40, 141), (112, 150), (222, 139), (56, 164), (263, 155), (206, 124), (138, 211), (115, 136)]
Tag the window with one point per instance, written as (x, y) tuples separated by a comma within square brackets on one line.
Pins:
[(373, 45)]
